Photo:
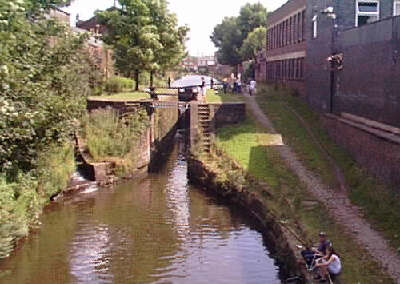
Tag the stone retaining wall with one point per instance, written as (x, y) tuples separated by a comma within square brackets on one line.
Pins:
[(155, 143)]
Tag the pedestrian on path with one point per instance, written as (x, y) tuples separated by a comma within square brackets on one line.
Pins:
[(203, 88), (252, 87)]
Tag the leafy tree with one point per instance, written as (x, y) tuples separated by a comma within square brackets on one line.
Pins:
[(254, 43), (44, 80), (251, 16), (171, 36), (144, 35), (229, 36)]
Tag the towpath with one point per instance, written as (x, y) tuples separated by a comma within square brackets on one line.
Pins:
[(337, 203)]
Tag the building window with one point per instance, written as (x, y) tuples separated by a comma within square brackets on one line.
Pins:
[(396, 10), (315, 26), (367, 11)]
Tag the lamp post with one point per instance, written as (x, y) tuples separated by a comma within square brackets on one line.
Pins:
[(329, 12)]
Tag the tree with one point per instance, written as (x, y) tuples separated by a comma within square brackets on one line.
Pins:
[(172, 38), (254, 43), (229, 36), (43, 84), (144, 35), (251, 16)]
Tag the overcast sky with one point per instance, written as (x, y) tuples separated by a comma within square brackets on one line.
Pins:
[(200, 15)]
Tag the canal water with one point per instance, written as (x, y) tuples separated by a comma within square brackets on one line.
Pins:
[(157, 230)]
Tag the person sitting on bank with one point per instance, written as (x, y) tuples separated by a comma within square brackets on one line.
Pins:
[(329, 265), (310, 255)]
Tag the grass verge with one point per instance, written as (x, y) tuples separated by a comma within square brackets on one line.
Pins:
[(255, 150), (219, 97), (381, 206), (124, 96)]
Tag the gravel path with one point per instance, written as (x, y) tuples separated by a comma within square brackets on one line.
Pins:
[(337, 203)]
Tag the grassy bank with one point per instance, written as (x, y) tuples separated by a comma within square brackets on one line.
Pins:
[(219, 97), (256, 151), (22, 199), (380, 205)]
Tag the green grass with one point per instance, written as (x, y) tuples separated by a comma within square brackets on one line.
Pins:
[(256, 151), (381, 206), (219, 97), (131, 96)]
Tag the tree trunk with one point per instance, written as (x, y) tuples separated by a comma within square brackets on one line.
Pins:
[(137, 80), (151, 78)]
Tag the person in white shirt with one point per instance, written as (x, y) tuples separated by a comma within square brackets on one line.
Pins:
[(329, 264), (252, 87)]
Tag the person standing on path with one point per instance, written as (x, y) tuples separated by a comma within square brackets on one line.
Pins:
[(225, 85), (212, 83), (252, 87), (203, 88)]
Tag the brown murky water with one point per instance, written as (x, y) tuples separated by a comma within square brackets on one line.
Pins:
[(158, 230)]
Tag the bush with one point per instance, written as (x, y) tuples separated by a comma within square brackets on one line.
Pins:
[(118, 84)]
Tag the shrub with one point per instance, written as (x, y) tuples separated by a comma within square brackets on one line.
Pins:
[(118, 84), (22, 200), (55, 167)]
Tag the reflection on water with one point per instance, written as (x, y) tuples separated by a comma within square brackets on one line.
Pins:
[(158, 230)]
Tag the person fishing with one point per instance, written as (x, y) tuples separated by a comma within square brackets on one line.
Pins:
[(329, 265), (311, 254)]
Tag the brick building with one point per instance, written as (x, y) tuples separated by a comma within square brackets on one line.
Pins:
[(101, 55), (286, 46)]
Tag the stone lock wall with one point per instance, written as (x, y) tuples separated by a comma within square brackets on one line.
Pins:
[(155, 143)]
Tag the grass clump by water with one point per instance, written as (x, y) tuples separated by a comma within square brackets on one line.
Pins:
[(379, 202), (110, 138), (23, 198), (255, 150), (214, 96)]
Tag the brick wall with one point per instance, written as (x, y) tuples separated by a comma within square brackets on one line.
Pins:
[(381, 157), (228, 113), (369, 83)]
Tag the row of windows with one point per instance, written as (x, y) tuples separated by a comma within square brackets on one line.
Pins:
[(290, 31), (289, 69)]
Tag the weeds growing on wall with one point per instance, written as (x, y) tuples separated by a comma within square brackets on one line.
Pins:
[(112, 138)]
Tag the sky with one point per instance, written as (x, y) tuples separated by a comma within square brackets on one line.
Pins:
[(200, 15)]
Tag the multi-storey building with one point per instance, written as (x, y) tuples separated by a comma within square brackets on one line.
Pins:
[(286, 46)]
